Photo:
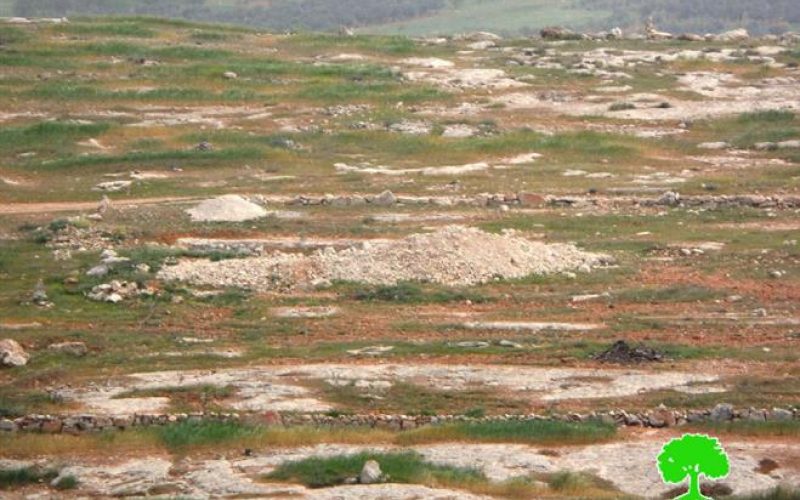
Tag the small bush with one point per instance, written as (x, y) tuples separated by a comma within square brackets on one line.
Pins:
[(621, 106), (13, 478), (771, 116), (476, 412), (66, 483), (404, 467)]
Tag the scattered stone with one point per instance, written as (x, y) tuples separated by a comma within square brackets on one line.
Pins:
[(204, 146), (508, 343), (306, 312), (588, 297), (117, 291), (519, 326), (113, 186), (670, 199), (371, 473), (372, 350), (12, 354), (472, 344), (39, 296), (459, 131), (623, 353), (230, 75), (713, 145), (737, 35), (77, 349)]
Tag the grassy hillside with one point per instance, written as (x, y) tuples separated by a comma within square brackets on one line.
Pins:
[(502, 16), (427, 17)]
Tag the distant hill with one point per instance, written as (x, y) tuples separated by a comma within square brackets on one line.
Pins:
[(701, 16), (317, 15), (427, 17)]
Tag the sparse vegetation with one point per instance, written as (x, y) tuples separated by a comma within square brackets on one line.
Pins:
[(112, 128), (11, 478), (540, 432)]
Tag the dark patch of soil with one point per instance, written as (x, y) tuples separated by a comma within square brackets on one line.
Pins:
[(712, 490), (624, 353), (767, 465)]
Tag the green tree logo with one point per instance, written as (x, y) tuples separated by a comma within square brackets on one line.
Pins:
[(693, 456)]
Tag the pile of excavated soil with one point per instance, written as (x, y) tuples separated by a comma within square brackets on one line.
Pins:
[(453, 256), (228, 208), (624, 353)]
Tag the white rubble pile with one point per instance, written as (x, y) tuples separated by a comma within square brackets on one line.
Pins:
[(227, 208), (453, 255)]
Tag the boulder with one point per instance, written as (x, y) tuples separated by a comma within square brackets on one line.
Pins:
[(779, 414), (385, 199), (12, 354), (371, 473), (723, 412), (691, 37), (661, 417), (482, 36), (736, 35), (531, 199), (7, 425)]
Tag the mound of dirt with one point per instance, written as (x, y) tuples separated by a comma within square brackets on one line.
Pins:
[(228, 208), (453, 256), (623, 353)]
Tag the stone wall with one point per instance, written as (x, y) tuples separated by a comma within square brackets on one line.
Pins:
[(660, 417), (528, 199)]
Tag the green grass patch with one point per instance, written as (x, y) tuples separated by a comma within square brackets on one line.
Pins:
[(15, 478), (412, 293), (671, 294), (412, 399), (788, 428), (122, 28), (182, 436), (50, 137), (401, 467), (540, 432), (162, 157)]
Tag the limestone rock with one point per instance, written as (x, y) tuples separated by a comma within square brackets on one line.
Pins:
[(736, 35), (12, 354), (371, 473), (723, 412), (385, 199)]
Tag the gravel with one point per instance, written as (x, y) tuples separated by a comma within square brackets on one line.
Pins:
[(453, 256)]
